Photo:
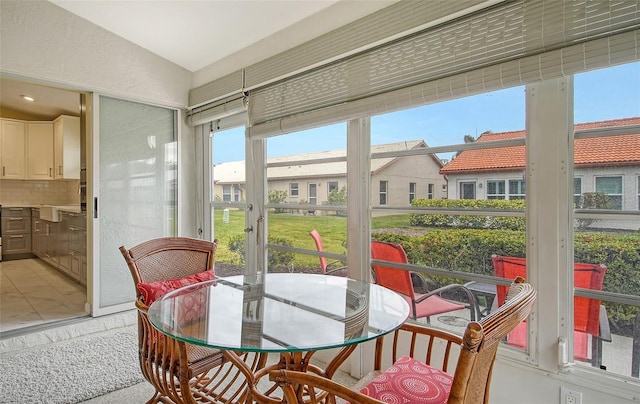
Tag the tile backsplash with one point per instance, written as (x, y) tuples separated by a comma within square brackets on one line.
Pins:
[(22, 192)]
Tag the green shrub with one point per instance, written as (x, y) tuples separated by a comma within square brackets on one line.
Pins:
[(592, 200), (275, 196), (277, 260), (470, 250), (468, 221)]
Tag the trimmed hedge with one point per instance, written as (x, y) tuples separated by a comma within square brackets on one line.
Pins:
[(470, 250), (468, 221), (277, 260)]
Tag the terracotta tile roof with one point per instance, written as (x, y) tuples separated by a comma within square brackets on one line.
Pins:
[(588, 152)]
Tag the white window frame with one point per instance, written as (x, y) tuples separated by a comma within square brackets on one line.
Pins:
[(412, 191), (293, 186), (549, 135), (497, 195), (620, 195), (331, 186), (383, 193), (521, 185), (463, 184), (226, 193), (576, 197)]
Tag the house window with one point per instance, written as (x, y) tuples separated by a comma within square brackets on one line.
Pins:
[(313, 194), (332, 186), (430, 191), (516, 189), (467, 190), (412, 191), (236, 193), (293, 189), (577, 191), (611, 186), (383, 192), (638, 192), (226, 193), (495, 189)]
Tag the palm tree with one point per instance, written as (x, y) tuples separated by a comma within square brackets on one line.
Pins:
[(467, 139)]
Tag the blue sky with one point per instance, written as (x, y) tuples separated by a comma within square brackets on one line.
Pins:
[(599, 95)]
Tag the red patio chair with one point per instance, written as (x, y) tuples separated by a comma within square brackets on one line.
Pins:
[(590, 317), (399, 280), (325, 266)]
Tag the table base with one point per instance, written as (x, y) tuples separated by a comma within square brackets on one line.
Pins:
[(298, 361)]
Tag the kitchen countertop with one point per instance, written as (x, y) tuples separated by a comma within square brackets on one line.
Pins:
[(63, 208)]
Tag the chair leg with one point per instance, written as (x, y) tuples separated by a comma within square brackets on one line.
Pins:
[(596, 353)]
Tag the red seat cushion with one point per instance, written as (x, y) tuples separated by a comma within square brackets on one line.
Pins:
[(155, 290), (410, 381)]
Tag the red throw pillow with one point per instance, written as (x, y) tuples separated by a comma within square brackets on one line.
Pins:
[(154, 290)]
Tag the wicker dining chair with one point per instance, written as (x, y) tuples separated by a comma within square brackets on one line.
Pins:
[(180, 372), (413, 377)]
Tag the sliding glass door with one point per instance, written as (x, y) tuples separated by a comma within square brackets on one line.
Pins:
[(134, 191)]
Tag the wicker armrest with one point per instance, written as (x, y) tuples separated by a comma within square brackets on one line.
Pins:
[(316, 386)]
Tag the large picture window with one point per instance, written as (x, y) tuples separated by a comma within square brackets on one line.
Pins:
[(472, 214)]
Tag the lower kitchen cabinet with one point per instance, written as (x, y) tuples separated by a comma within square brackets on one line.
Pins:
[(62, 244), (50, 245), (37, 233), (16, 232), (75, 245)]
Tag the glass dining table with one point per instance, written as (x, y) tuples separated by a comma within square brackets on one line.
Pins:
[(291, 314)]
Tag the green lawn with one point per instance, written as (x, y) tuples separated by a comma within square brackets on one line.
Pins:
[(296, 228)]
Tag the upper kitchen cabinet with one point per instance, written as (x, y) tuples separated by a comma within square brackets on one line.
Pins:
[(13, 148), (66, 133), (39, 150)]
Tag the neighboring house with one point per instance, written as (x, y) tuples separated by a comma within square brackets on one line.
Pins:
[(601, 164), (395, 181)]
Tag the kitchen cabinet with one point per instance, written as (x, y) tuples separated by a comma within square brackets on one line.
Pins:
[(63, 244), (39, 150), (16, 232), (37, 233), (66, 148), (77, 250), (13, 149), (50, 242)]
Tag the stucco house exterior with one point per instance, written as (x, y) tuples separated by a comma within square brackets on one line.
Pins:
[(396, 181), (608, 164)]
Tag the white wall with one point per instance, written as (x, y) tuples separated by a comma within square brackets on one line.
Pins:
[(44, 43), (514, 383)]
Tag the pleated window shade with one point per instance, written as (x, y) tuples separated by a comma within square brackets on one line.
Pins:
[(230, 106), (511, 43)]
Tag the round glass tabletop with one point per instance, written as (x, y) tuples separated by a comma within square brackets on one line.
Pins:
[(280, 312)]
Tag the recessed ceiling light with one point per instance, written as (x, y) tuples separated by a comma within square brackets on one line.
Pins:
[(28, 98)]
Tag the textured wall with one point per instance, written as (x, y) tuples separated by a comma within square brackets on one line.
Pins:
[(40, 40)]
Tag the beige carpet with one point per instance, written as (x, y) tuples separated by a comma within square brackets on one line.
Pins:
[(72, 370)]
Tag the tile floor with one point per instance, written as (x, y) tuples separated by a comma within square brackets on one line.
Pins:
[(32, 293)]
